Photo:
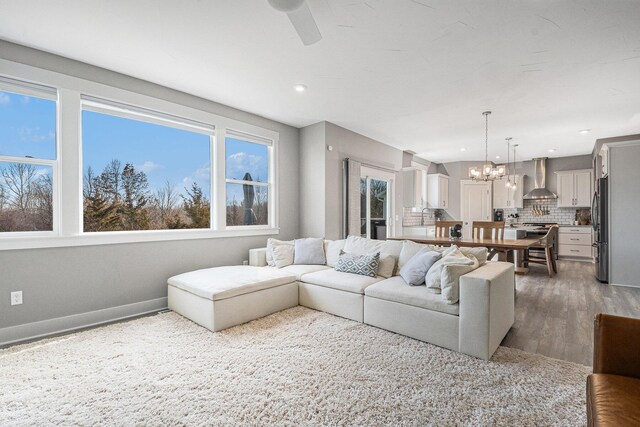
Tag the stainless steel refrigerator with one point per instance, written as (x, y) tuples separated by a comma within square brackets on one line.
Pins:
[(600, 220)]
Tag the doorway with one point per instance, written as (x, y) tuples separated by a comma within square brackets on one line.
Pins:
[(376, 203), (475, 204)]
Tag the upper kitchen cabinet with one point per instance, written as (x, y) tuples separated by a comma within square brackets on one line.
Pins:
[(414, 188), (506, 198), (437, 191), (574, 189)]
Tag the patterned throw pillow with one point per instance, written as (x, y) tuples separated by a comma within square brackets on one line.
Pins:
[(364, 265)]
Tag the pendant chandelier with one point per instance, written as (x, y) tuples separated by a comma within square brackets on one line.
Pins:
[(487, 172)]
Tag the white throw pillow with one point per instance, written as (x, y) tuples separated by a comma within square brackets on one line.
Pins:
[(332, 249), (450, 279), (386, 266), (283, 255), (270, 245), (452, 255), (479, 253)]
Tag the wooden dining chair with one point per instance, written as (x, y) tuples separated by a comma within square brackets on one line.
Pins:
[(543, 252), (443, 227), (489, 230)]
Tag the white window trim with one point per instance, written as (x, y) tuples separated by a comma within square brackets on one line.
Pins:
[(21, 87), (68, 174)]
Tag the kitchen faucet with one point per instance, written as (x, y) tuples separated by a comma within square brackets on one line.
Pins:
[(422, 216)]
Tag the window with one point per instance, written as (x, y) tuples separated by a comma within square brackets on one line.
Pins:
[(143, 170), (247, 180), (28, 162), (83, 163)]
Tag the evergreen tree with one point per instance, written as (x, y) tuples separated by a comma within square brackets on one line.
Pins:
[(196, 207), (135, 197), (99, 214)]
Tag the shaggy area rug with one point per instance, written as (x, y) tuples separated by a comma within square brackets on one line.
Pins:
[(296, 367)]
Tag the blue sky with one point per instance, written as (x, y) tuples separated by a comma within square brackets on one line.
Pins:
[(27, 126), (161, 152)]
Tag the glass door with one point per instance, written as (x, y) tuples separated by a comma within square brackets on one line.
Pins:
[(375, 207)]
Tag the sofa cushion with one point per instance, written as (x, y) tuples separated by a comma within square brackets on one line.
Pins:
[(332, 250), (363, 246), (271, 243), (450, 279), (415, 270), (309, 251), (453, 255), (225, 282), (301, 270), (283, 255), (397, 290), (613, 400), (342, 281)]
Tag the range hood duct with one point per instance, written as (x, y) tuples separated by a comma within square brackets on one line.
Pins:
[(540, 192)]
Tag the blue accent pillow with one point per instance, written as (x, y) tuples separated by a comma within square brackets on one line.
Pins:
[(415, 270), (364, 265)]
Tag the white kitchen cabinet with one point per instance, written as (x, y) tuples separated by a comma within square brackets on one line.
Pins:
[(506, 198), (574, 188), (575, 242), (414, 188), (437, 191), (426, 231)]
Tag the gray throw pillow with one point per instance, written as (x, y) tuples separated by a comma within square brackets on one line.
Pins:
[(364, 265), (415, 270), (309, 251)]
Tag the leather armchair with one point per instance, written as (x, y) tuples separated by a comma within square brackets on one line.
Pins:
[(613, 390)]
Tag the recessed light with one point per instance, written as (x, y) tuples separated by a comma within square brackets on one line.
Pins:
[(300, 88), (497, 157), (552, 150), (584, 131), (463, 149)]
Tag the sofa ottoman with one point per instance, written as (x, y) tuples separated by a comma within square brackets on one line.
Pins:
[(221, 297)]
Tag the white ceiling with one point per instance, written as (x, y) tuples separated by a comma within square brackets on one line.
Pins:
[(415, 74)]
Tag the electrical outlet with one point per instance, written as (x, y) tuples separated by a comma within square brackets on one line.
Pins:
[(16, 298)]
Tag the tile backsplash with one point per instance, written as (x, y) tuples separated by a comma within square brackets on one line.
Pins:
[(556, 214), (412, 217)]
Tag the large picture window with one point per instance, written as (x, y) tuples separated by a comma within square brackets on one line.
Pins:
[(28, 159), (142, 174), (83, 163), (247, 181)]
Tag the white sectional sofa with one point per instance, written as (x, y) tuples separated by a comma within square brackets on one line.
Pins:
[(475, 325)]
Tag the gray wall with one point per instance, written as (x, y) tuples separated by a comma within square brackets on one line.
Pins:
[(66, 281), (458, 171), (348, 144), (624, 205), (312, 180), (321, 195)]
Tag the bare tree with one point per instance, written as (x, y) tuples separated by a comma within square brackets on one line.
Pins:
[(109, 182), (19, 180), (89, 184), (166, 201), (3, 197), (43, 202)]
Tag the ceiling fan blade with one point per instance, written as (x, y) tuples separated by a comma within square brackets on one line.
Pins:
[(305, 25)]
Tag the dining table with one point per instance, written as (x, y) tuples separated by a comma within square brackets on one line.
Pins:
[(509, 250)]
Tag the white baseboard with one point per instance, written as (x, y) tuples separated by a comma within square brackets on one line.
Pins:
[(625, 286), (29, 331)]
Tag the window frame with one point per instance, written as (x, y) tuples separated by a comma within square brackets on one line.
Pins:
[(253, 139), (68, 203), (36, 90)]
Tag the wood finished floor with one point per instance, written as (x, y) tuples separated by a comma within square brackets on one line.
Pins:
[(554, 316)]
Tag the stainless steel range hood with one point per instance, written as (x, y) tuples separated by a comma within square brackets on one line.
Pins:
[(540, 192)]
